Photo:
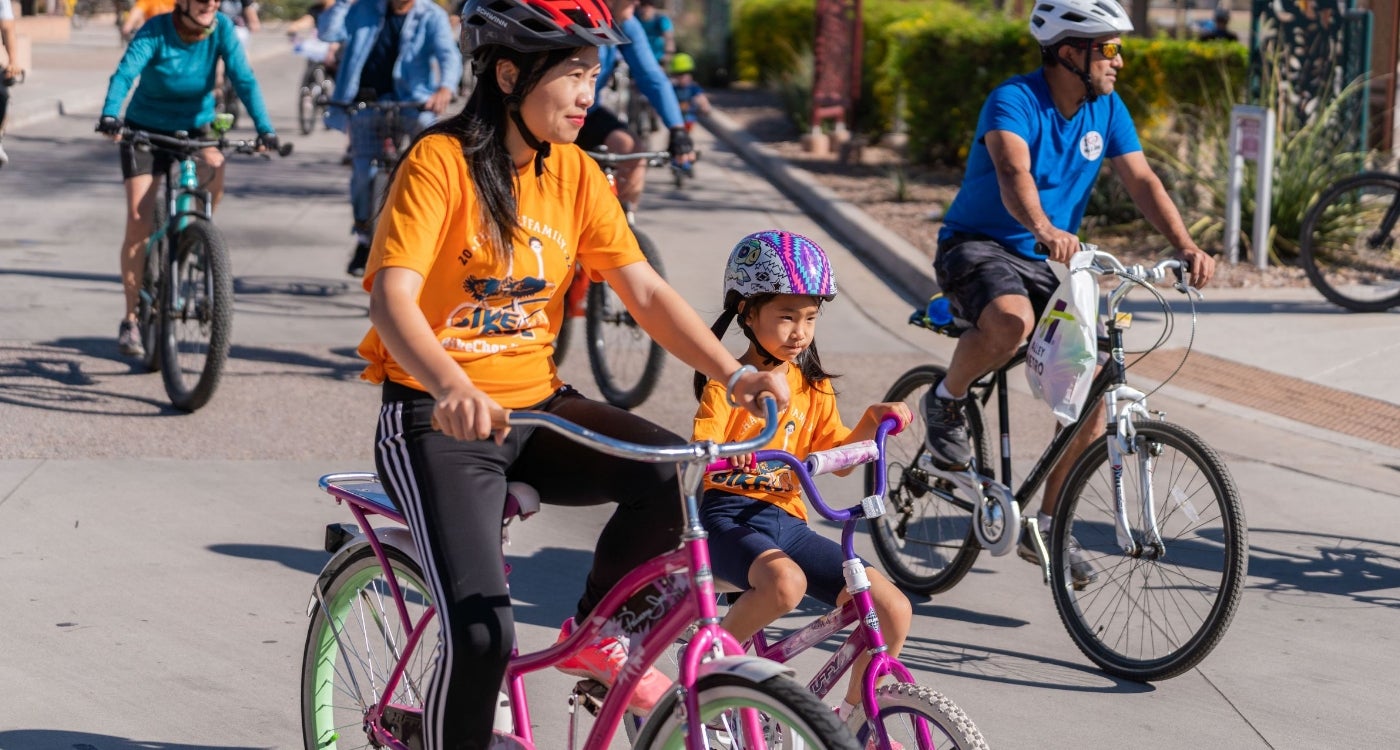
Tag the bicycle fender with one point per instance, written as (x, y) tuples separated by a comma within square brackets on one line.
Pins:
[(750, 668), (397, 537)]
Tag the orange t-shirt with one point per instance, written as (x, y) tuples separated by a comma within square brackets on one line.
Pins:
[(810, 423), (496, 315), (152, 8)]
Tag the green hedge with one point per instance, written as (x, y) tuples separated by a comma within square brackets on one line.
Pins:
[(944, 57)]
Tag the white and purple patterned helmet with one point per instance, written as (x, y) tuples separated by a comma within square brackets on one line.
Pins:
[(778, 262)]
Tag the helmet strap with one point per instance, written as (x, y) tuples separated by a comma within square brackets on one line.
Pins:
[(1083, 73), (541, 147), (768, 359), (204, 31)]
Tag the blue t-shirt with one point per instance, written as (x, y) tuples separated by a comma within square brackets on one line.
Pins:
[(1065, 158), (656, 30), (685, 95), (176, 88)]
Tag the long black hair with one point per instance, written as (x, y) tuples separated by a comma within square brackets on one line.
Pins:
[(481, 129), (809, 362)]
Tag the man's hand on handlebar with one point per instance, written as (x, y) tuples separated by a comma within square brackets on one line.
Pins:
[(1202, 265), (1058, 244), (437, 103), (682, 148)]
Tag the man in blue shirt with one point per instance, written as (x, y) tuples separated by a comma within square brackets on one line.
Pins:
[(391, 50), (1041, 139), (603, 128)]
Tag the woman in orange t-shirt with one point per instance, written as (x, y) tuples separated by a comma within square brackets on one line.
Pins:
[(487, 216)]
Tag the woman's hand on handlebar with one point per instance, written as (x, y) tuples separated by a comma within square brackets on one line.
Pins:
[(467, 413), (751, 386)]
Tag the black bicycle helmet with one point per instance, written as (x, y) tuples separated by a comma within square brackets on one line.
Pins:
[(538, 25)]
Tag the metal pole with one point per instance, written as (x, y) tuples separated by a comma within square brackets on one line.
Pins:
[(1232, 194), (1263, 194)]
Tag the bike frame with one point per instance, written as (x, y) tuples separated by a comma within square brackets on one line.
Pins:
[(859, 610), (682, 575), (1121, 404)]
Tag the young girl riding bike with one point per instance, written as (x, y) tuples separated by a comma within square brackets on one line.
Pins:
[(774, 284), (487, 216)]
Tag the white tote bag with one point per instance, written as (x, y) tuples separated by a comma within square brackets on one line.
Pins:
[(1063, 348)]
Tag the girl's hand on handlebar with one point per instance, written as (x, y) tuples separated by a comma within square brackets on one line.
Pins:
[(897, 409), (467, 413), (752, 385), (744, 462)]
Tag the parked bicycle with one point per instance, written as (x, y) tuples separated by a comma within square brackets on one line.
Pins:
[(1152, 506), (1350, 242), (370, 646), (626, 363), (902, 713), (185, 305)]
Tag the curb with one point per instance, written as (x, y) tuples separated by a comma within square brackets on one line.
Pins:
[(904, 267)]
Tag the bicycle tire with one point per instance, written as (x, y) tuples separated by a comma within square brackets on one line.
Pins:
[(334, 696), (1350, 242), (197, 322), (926, 539), (626, 362), (790, 714), (306, 109), (148, 306), (898, 704), (1187, 597)]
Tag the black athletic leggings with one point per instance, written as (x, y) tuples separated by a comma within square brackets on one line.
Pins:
[(452, 493)]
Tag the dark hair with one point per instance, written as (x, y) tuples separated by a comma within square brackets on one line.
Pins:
[(481, 129), (809, 362)]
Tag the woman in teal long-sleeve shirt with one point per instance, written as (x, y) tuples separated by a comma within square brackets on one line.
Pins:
[(174, 56)]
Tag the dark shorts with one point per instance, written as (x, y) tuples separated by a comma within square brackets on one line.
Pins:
[(973, 271), (596, 127), (741, 529), (149, 160)]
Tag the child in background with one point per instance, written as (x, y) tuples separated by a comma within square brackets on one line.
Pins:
[(661, 33), (775, 283), (691, 97)]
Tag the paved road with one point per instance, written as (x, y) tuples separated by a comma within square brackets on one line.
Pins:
[(156, 566)]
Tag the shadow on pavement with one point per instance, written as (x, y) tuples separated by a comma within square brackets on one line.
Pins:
[(1300, 564), (57, 739), (1011, 667), (297, 558)]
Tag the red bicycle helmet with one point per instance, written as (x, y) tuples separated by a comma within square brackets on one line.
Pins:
[(537, 25)]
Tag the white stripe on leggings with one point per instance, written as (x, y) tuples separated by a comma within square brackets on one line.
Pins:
[(393, 452)]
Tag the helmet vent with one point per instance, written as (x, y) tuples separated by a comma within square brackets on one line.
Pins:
[(1073, 17), (538, 26), (579, 17)]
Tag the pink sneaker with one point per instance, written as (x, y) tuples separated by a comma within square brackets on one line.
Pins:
[(603, 659)]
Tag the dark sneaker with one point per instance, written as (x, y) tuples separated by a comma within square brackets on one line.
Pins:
[(358, 260), (1081, 570), (946, 438), (129, 339)]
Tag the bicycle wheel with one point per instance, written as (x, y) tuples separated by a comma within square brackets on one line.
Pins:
[(902, 704), (626, 362), (1143, 618), (306, 109), (353, 643), (791, 717), (198, 317), (926, 538), (1350, 244), (148, 305)]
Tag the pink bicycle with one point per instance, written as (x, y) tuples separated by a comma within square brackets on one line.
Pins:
[(373, 639), (905, 714)]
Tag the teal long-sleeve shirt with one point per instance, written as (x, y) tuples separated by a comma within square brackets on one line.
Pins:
[(176, 87)]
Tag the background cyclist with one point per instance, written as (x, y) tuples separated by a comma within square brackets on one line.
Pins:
[(603, 128), (465, 312), (774, 284), (11, 69), (174, 56), (1040, 141), (399, 51)]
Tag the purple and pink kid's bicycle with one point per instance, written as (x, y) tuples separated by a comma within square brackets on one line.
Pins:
[(901, 714), (373, 641)]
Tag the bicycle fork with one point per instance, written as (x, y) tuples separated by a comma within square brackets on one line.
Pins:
[(1123, 443)]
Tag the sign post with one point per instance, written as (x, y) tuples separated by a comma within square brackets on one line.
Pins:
[(1252, 139)]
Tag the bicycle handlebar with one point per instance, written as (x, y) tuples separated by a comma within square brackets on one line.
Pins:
[(610, 159), (186, 144), (382, 106), (1107, 263), (825, 462), (656, 454)]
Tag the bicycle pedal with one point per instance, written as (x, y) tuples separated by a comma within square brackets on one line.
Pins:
[(590, 695), (405, 724)]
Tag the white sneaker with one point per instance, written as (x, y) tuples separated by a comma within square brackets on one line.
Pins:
[(4, 157)]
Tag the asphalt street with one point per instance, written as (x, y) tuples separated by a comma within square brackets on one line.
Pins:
[(156, 566)]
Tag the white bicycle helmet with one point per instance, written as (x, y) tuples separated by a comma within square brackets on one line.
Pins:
[(1053, 21)]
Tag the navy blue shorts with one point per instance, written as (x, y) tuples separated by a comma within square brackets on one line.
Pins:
[(973, 271), (742, 528)]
